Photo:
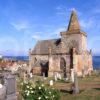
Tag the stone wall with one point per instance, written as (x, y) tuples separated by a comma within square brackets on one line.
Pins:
[(56, 66), (84, 63), (34, 58), (72, 41)]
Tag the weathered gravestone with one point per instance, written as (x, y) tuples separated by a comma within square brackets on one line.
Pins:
[(75, 78), (10, 84), (75, 84), (51, 82), (72, 75), (2, 92)]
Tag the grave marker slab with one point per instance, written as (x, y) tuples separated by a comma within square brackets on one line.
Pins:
[(10, 83)]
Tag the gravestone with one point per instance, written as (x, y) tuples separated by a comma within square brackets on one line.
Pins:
[(30, 76), (2, 92), (51, 82), (76, 87), (72, 75), (59, 76), (10, 84), (55, 77), (43, 75)]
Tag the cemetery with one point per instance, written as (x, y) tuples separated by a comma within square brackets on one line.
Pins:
[(32, 87), (57, 69)]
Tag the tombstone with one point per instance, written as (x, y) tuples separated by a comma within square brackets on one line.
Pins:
[(66, 79), (55, 77), (59, 76), (31, 75), (43, 75), (75, 85), (51, 82), (72, 75), (10, 84), (2, 92)]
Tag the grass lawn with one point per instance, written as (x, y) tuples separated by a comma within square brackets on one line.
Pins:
[(89, 88)]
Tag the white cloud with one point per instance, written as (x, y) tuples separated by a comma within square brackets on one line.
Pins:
[(61, 10), (36, 37), (88, 23), (20, 25)]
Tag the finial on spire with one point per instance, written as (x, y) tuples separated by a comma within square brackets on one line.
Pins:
[(73, 9)]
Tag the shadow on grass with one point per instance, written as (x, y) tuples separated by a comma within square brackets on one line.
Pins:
[(70, 91), (66, 91), (97, 89)]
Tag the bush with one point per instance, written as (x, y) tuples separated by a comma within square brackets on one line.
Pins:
[(38, 91)]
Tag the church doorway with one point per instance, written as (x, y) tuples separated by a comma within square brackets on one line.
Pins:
[(44, 68), (63, 67)]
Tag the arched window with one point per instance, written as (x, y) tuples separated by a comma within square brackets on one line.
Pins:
[(63, 67), (62, 64)]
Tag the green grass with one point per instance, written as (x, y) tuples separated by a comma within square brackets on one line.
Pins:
[(89, 88), (91, 94)]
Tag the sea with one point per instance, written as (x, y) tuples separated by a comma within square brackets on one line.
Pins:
[(96, 60)]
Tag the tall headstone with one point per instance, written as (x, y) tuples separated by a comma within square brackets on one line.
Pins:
[(76, 87), (2, 92), (72, 75), (10, 84), (55, 76), (75, 84)]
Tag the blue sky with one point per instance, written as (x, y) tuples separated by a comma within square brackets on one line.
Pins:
[(24, 22)]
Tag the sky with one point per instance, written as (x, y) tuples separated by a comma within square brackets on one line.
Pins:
[(24, 22)]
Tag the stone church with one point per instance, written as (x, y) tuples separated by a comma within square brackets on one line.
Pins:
[(56, 55)]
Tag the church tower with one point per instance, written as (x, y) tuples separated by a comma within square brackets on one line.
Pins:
[(74, 37)]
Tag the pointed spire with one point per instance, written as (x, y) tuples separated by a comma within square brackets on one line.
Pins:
[(73, 24)]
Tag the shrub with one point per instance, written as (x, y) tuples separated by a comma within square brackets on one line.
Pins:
[(38, 91)]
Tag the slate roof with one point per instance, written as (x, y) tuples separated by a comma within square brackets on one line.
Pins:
[(42, 47)]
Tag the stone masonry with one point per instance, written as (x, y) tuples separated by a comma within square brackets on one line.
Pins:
[(55, 55)]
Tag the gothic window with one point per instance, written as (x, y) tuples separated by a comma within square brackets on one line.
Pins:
[(62, 64), (63, 67)]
